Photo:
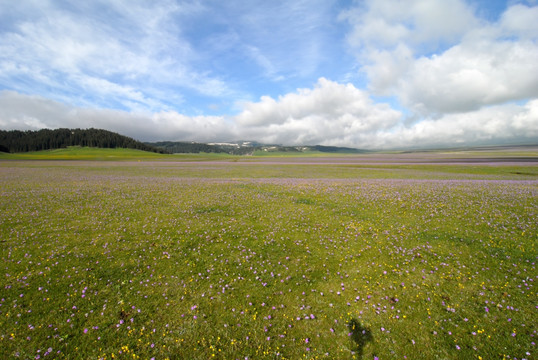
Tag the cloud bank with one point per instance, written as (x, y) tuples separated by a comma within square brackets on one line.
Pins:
[(329, 114)]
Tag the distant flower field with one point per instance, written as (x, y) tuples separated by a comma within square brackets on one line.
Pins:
[(232, 261)]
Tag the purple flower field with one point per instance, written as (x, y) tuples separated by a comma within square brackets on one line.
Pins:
[(234, 261)]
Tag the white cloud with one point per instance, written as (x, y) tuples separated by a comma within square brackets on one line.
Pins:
[(493, 64), (172, 125), (520, 20), (479, 63), (342, 115), (501, 124), (386, 67), (469, 76), (123, 53), (388, 23), (327, 99), (329, 114), (386, 35)]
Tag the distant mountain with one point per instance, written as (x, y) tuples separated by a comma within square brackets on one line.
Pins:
[(308, 148), (46, 139), (336, 149), (184, 147), (244, 147)]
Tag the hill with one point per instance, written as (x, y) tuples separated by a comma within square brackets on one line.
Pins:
[(85, 153), (15, 141), (246, 148), (184, 147)]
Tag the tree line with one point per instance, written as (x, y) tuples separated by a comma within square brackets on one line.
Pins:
[(46, 139), (183, 147)]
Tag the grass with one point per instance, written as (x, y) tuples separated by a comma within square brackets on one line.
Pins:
[(83, 153), (266, 261), (101, 154), (278, 154)]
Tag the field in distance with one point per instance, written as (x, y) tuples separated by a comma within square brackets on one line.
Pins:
[(387, 256), (499, 153), (102, 154)]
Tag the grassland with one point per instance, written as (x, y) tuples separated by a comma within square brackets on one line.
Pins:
[(231, 259), (102, 154)]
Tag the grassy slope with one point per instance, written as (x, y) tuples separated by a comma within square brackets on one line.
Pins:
[(100, 154), (87, 153)]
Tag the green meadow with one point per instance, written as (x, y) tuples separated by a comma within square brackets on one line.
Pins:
[(118, 254), (100, 154)]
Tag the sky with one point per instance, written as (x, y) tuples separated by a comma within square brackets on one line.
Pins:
[(369, 74)]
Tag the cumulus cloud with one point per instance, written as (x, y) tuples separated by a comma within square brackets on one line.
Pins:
[(328, 114), (469, 76), (388, 23), (501, 124), (480, 63), (387, 35), (340, 114), (520, 20)]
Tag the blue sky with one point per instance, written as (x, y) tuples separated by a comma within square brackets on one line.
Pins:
[(375, 74)]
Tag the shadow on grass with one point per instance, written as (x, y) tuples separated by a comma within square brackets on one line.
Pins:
[(360, 336)]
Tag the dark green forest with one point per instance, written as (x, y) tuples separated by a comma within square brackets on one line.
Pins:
[(14, 141), (240, 149), (183, 147)]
